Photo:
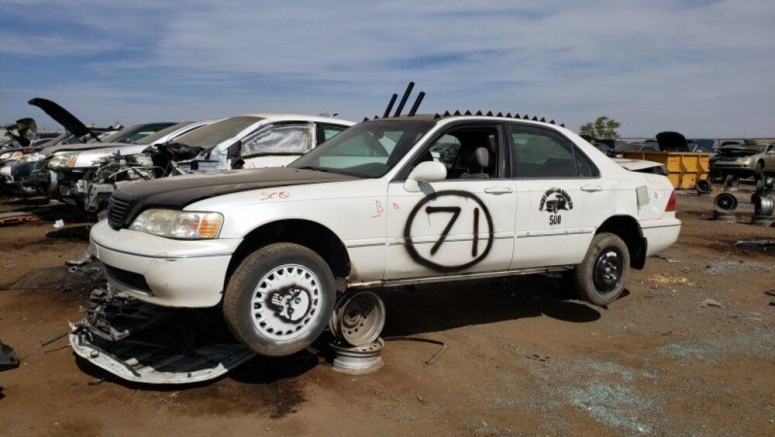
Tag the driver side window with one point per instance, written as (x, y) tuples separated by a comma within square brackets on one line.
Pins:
[(467, 152)]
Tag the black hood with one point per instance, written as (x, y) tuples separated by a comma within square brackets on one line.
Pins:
[(672, 141), (178, 191), (63, 117)]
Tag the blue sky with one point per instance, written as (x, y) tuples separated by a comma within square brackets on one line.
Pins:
[(702, 67)]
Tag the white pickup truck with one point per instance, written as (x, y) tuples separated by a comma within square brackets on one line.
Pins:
[(392, 201)]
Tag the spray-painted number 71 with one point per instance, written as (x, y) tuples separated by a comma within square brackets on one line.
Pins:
[(455, 211)]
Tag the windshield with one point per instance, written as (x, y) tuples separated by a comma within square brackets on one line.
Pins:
[(134, 133), (210, 136), (152, 138), (367, 150)]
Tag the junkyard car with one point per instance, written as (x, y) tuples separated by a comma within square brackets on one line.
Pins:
[(384, 203), (754, 158), (251, 141)]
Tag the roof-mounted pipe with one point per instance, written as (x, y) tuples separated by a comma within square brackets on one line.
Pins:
[(404, 99), (390, 106), (417, 103)]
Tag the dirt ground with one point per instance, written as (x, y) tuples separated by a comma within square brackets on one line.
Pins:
[(522, 358)]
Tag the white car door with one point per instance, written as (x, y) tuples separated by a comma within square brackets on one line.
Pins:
[(561, 198), (462, 224)]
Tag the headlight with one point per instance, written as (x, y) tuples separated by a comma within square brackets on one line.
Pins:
[(63, 160), (184, 225), (31, 157), (10, 155)]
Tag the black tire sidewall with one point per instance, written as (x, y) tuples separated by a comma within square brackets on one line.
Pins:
[(237, 301), (585, 284)]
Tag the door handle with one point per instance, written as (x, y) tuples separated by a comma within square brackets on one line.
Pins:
[(498, 190), (591, 188)]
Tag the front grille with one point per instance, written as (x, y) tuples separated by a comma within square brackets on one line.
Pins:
[(134, 280), (117, 211), (41, 165)]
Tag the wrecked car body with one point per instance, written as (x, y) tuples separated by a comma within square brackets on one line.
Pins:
[(60, 168), (248, 141), (394, 201)]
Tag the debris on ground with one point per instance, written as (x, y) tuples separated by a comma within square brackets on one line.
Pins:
[(711, 303), (662, 278), (759, 245), (15, 218), (61, 278), (666, 259), (8, 358), (86, 258), (722, 267)]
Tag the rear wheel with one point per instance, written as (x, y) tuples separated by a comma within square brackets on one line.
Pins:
[(602, 275), (759, 169), (279, 299)]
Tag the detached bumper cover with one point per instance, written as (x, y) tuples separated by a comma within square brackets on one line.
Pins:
[(150, 364)]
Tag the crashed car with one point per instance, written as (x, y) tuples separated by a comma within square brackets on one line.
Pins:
[(382, 204), (247, 141), (753, 158), (59, 169), (64, 167)]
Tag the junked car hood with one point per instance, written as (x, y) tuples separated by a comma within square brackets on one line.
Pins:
[(179, 191), (740, 150), (85, 146), (672, 141), (63, 117)]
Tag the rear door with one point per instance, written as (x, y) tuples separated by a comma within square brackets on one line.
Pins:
[(561, 198)]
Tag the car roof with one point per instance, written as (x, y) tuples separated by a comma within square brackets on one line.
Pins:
[(278, 116)]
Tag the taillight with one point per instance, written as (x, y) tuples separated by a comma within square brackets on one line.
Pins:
[(671, 202)]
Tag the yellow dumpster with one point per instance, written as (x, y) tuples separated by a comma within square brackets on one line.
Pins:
[(684, 169)]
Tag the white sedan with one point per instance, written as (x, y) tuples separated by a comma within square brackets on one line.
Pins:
[(399, 200)]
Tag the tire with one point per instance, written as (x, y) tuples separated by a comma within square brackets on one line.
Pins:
[(279, 299), (602, 275), (758, 169)]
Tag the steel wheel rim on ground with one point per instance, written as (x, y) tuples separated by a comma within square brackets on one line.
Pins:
[(360, 318), (608, 270), (285, 302)]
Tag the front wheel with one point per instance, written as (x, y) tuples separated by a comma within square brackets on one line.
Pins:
[(602, 275), (279, 299)]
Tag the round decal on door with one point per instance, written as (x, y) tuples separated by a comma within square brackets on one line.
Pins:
[(460, 209)]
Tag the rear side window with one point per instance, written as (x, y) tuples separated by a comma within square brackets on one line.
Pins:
[(283, 139), (330, 131), (543, 153)]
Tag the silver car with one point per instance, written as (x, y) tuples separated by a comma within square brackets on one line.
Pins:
[(754, 158)]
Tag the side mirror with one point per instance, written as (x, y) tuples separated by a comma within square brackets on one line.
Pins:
[(426, 171)]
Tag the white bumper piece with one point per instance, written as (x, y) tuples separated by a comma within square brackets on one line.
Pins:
[(163, 271)]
